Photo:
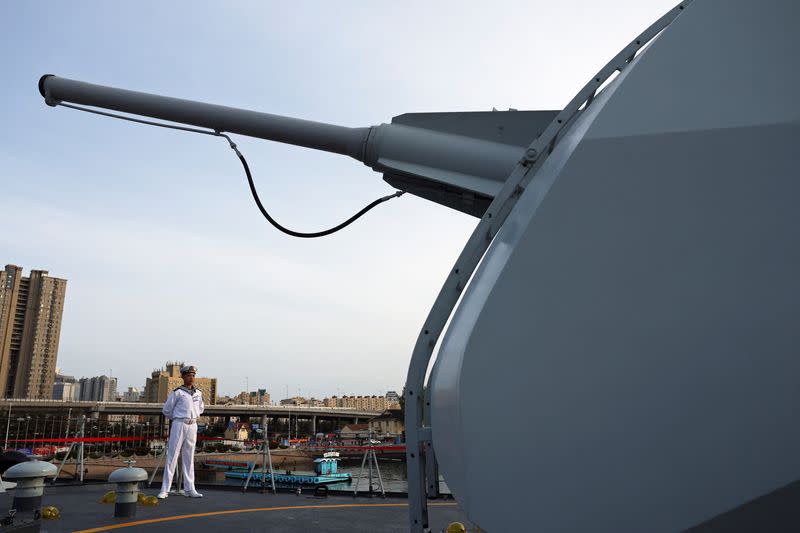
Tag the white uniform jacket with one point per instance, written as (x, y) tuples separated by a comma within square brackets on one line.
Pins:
[(184, 404)]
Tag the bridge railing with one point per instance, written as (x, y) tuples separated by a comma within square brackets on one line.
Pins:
[(150, 408)]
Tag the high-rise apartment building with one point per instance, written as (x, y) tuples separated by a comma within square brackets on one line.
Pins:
[(162, 381), (30, 325), (98, 389)]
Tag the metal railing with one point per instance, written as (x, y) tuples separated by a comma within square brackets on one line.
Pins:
[(147, 408)]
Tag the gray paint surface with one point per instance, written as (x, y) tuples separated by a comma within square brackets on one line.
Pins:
[(636, 317)]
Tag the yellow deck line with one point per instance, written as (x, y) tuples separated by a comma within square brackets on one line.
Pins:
[(251, 510)]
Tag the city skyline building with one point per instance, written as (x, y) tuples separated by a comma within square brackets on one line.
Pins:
[(367, 402), (162, 381), (389, 423), (133, 394), (98, 388), (294, 400), (256, 397), (65, 387), (31, 309), (63, 390)]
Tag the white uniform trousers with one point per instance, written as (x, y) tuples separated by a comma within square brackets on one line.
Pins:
[(182, 440)]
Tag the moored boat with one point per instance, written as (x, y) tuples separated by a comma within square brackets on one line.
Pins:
[(292, 478)]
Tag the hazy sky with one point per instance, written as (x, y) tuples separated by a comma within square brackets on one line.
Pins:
[(166, 255)]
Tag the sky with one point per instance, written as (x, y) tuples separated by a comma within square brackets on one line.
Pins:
[(166, 256)]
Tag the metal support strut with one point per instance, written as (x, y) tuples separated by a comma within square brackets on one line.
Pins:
[(266, 459), (418, 435), (79, 459), (82, 448), (268, 456), (372, 461)]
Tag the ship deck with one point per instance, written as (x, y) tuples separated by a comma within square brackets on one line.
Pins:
[(229, 510)]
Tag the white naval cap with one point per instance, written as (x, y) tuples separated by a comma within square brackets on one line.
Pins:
[(185, 369)]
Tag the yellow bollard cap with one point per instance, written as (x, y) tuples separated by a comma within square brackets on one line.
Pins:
[(50, 513), (150, 500), (456, 527), (109, 497)]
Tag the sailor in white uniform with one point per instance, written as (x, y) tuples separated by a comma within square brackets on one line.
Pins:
[(183, 406)]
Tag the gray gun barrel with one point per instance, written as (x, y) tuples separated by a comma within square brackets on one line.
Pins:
[(459, 160), (317, 135)]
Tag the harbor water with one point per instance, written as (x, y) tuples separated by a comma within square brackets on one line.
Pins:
[(393, 474)]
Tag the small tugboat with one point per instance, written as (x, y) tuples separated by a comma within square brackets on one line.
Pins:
[(325, 471)]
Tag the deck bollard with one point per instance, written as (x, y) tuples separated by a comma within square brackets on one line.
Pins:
[(30, 483), (127, 480)]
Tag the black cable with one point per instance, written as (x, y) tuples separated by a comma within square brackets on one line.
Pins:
[(297, 233), (246, 167)]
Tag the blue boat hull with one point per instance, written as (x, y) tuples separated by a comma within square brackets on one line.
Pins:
[(293, 479)]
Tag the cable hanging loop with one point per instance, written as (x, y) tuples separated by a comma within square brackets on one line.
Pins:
[(253, 191)]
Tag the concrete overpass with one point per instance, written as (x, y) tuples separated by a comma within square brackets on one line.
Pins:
[(98, 409)]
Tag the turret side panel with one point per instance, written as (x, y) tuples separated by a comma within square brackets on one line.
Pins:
[(625, 358)]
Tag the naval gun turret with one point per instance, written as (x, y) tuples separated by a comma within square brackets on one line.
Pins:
[(621, 340)]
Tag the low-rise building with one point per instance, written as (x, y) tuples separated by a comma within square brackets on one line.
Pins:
[(236, 432), (295, 400), (388, 424), (331, 401), (354, 432), (364, 403), (256, 397)]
